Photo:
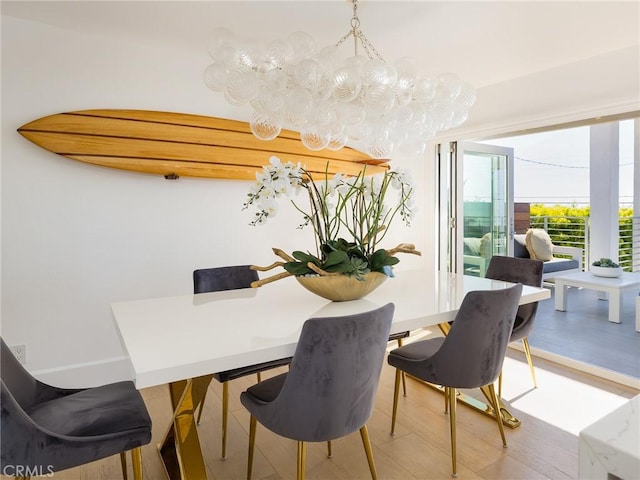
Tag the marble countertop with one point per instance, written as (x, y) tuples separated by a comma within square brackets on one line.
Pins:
[(610, 448)]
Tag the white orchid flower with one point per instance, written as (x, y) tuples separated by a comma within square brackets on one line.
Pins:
[(268, 191), (268, 207), (340, 206), (275, 161)]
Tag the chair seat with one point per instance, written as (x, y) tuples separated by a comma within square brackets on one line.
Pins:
[(267, 390), (408, 356), (250, 369), (559, 265), (419, 350), (104, 410)]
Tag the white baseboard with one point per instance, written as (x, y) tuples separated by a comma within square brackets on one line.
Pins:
[(89, 374), (594, 370)]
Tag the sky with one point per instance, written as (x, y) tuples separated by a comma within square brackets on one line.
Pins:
[(553, 167)]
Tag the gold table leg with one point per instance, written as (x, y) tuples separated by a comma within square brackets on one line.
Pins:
[(507, 418), (180, 450)]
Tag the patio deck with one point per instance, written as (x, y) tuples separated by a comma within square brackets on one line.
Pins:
[(583, 334)]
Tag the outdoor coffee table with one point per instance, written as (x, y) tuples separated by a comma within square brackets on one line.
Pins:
[(629, 281)]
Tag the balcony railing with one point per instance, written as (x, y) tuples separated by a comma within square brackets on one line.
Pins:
[(574, 232)]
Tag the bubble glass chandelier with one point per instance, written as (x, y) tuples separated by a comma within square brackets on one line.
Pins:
[(332, 99)]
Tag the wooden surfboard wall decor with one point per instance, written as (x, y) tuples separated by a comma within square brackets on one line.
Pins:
[(178, 144)]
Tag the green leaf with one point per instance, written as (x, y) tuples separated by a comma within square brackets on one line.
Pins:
[(381, 259), (391, 260), (345, 267), (335, 258), (378, 258), (305, 257), (297, 268)]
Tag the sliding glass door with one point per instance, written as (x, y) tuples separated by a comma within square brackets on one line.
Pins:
[(481, 205)]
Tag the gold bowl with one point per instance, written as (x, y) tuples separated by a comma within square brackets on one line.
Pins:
[(342, 288)]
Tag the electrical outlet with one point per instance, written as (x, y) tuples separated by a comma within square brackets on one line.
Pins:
[(20, 352)]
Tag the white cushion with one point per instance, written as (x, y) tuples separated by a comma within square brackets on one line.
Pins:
[(539, 244), (486, 245)]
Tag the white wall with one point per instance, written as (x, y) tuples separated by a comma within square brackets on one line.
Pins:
[(76, 237)]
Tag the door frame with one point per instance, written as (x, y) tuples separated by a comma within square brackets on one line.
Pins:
[(451, 199)]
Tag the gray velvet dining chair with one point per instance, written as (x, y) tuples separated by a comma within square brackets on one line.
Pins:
[(331, 385), (470, 356), (45, 429), (218, 279), (528, 272)]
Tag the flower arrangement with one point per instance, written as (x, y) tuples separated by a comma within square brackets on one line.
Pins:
[(349, 217)]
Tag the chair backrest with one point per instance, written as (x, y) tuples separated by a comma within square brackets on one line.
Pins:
[(23, 386), (19, 391), (518, 270), (332, 383), (473, 351), (526, 271), (223, 278)]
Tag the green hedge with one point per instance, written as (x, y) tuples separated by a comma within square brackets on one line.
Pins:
[(566, 226)]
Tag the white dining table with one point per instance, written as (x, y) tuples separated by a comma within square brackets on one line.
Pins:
[(182, 340)]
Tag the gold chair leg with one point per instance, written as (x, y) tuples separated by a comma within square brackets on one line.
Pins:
[(252, 443), (395, 401), (451, 395), (496, 408), (404, 380), (446, 401), (136, 461), (123, 464), (302, 460), (225, 416), (259, 375), (201, 407), (367, 449), (527, 352), (329, 453), (500, 384)]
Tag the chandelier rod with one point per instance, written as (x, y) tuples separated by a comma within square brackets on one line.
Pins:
[(355, 26), (359, 36)]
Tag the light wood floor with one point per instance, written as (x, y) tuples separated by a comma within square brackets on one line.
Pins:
[(544, 447)]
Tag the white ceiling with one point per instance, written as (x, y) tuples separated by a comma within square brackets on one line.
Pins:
[(484, 42)]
